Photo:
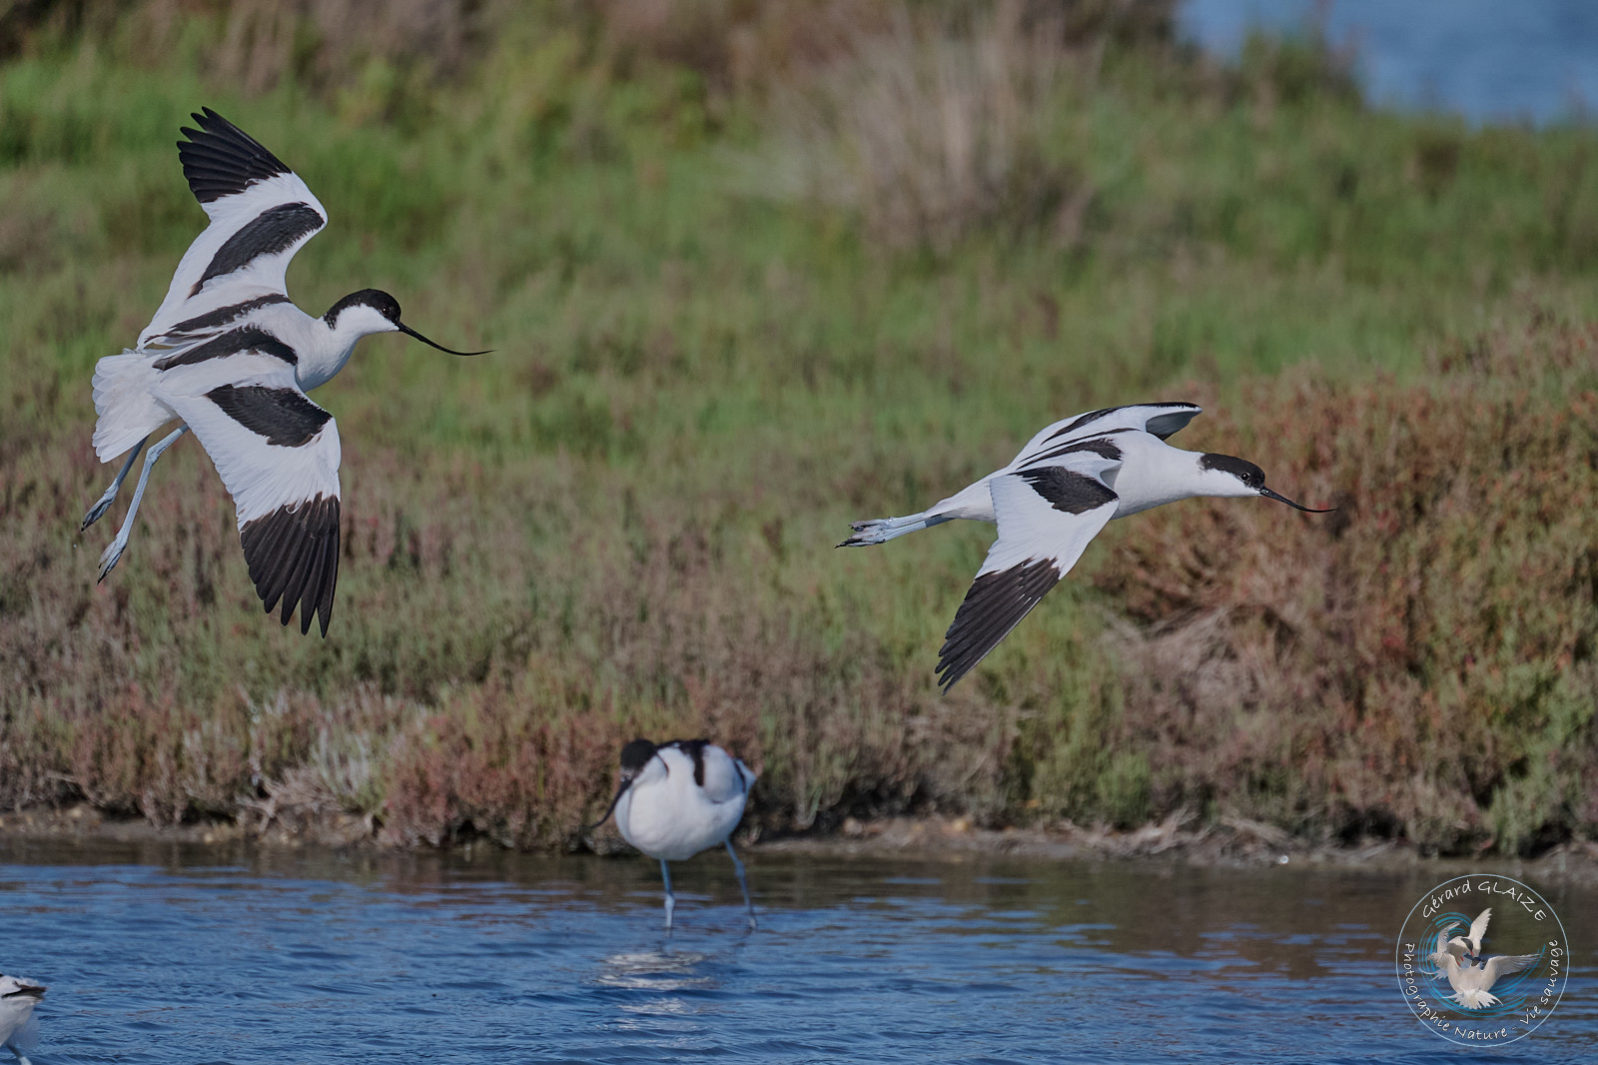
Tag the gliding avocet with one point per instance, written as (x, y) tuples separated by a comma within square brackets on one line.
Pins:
[(1052, 499)]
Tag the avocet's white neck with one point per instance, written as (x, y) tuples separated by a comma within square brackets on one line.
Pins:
[(1154, 473), (332, 343)]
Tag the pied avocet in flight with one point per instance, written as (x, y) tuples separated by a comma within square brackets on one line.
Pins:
[(677, 799), (229, 356), (1053, 498)]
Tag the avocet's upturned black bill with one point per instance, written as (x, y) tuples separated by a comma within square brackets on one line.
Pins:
[(678, 798), (228, 356), (1070, 479), (408, 331), (389, 308)]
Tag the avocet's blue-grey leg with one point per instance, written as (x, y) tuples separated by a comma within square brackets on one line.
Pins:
[(117, 546), (881, 530), (743, 882), (671, 900), (104, 502)]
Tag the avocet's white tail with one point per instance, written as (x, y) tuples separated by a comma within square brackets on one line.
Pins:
[(974, 501), (127, 411)]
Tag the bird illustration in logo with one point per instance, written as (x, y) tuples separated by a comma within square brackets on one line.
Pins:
[(1459, 960)]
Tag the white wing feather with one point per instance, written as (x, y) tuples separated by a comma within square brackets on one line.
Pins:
[(253, 201), (278, 454), (261, 477), (1160, 419)]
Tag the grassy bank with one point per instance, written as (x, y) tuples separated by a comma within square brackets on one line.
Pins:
[(735, 308)]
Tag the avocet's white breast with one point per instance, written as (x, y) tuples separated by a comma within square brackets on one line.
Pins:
[(1154, 473), (327, 352), (17, 999), (679, 805)]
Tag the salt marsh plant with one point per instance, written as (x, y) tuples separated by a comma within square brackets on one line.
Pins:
[(621, 522)]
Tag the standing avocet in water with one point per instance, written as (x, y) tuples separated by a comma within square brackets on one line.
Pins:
[(1069, 481), (19, 1029), (229, 356), (677, 799)]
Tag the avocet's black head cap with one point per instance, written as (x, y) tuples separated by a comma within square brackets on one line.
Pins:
[(634, 757), (389, 308), (1252, 477), (375, 298)]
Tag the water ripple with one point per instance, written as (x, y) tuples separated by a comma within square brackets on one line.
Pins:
[(193, 957)]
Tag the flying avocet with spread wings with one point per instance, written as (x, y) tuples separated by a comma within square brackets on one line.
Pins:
[(1052, 499), (230, 357)]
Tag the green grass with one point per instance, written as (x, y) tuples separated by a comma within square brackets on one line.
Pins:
[(622, 520)]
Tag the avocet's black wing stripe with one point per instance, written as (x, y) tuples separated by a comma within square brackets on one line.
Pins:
[(284, 417), (1047, 516), (222, 316), (220, 159), (232, 342), (1068, 491), (694, 749), (272, 231), (261, 214), (1102, 446), (1160, 419), (720, 776), (1172, 415), (278, 454)]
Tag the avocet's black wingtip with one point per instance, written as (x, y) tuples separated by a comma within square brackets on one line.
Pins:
[(219, 159), (292, 555), (994, 605), (949, 679)]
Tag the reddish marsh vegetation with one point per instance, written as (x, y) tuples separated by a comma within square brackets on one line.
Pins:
[(1419, 663), (709, 359)]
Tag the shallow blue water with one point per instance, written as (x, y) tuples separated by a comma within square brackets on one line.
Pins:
[(163, 954), (1487, 60)]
